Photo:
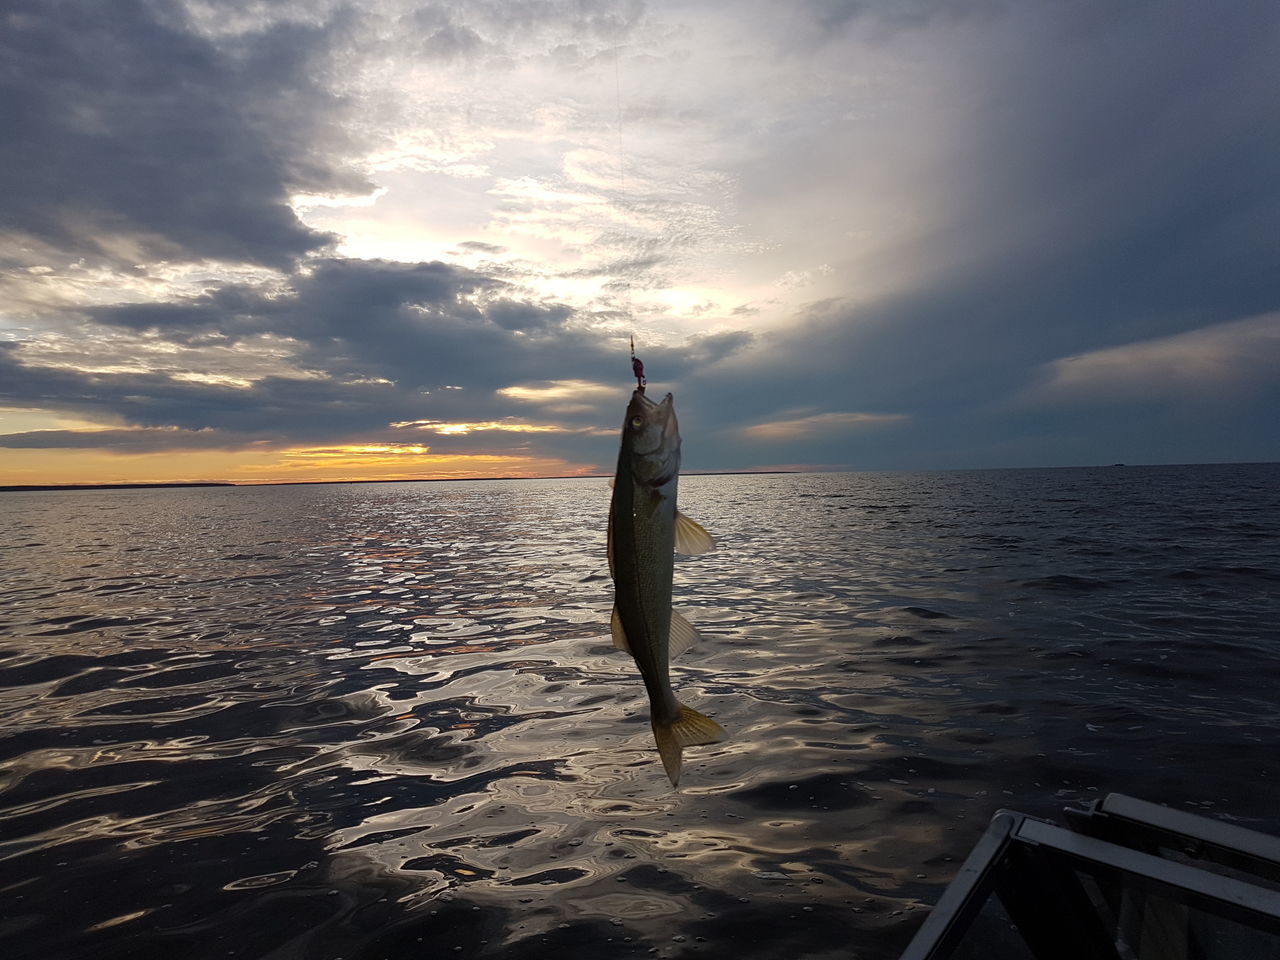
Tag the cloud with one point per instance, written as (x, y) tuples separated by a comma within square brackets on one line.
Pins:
[(477, 246), (513, 27), (345, 352), (817, 424), (418, 325), (129, 137), (917, 207), (562, 397), (442, 36), (137, 440), (829, 15), (508, 425), (1222, 359), (1005, 208)]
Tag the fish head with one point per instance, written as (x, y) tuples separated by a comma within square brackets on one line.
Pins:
[(652, 436)]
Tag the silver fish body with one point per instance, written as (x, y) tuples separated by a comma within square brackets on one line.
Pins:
[(645, 531)]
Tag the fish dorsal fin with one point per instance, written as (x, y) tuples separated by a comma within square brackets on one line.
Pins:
[(691, 537), (619, 634), (608, 539), (682, 636)]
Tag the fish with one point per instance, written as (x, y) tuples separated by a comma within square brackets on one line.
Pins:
[(645, 532)]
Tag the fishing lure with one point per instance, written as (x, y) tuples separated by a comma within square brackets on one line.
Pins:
[(637, 368)]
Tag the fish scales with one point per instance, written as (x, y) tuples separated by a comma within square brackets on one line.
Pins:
[(645, 530)]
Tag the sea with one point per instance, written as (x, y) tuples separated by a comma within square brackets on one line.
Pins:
[(387, 721)]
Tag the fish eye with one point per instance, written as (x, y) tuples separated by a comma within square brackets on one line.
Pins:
[(637, 421)]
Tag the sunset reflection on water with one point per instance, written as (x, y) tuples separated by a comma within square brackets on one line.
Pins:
[(354, 721)]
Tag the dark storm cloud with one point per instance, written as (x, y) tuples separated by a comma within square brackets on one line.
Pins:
[(278, 409), (126, 441), (421, 325), (129, 136), (1107, 180), (332, 301), (1117, 186), (528, 317), (1131, 166), (380, 343)]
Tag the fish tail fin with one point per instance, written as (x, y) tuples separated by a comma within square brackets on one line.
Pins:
[(689, 729)]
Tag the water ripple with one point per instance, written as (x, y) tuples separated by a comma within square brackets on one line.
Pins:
[(375, 720)]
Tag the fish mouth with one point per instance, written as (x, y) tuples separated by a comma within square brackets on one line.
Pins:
[(666, 406), (640, 395), (661, 415)]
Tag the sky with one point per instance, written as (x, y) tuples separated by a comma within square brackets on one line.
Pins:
[(257, 241)]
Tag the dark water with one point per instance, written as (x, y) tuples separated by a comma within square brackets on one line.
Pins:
[(386, 720)]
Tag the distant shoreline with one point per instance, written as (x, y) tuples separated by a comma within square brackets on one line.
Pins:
[(31, 487), (19, 487), (36, 487)]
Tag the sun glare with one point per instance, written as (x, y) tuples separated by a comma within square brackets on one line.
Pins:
[(553, 390), (462, 429)]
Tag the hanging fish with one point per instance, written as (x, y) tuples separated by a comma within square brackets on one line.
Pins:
[(645, 531)]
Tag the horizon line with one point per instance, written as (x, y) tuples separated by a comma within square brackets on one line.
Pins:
[(147, 485)]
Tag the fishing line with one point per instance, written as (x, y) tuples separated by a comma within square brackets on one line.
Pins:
[(617, 96), (637, 368)]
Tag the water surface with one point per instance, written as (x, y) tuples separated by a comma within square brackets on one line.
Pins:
[(387, 720)]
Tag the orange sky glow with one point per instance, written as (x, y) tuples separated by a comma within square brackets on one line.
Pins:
[(300, 464), (427, 241)]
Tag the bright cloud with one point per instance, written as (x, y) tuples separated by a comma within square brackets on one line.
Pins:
[(290, 228), (557, 390), (1225, 358), (818, 424), (563, 396), (462, 429)]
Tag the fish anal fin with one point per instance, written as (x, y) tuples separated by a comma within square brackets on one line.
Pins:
[(619, 634), (691, 536), (690, 729), (683, 635)]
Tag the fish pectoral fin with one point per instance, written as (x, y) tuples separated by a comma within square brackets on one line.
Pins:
[(690, 729), (691, 536), (683, 635), (619, 634)]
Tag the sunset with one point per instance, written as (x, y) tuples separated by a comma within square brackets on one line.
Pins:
[(278, 242), (626, 479)]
